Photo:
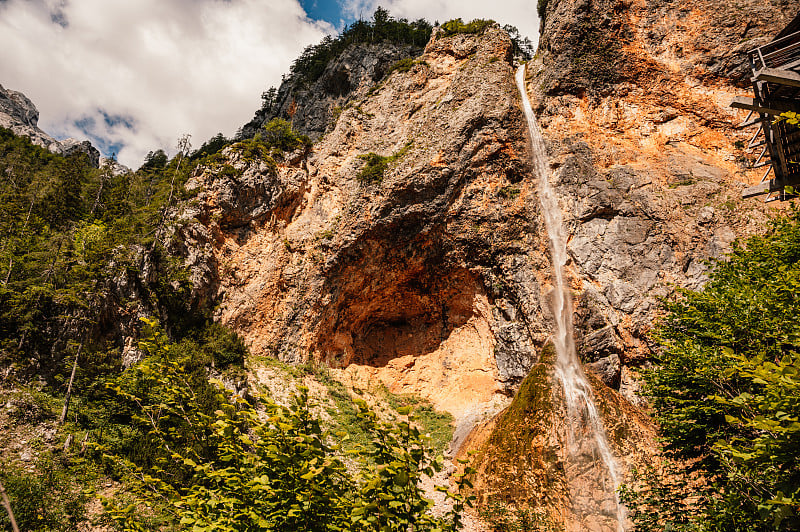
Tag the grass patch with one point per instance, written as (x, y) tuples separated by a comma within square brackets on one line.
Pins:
[(376, 165), (437, 425), (325, 235), (508, 193), (682, 183), (404, 65)]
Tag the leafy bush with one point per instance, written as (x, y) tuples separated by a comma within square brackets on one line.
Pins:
[(278, 133), (508, 192), (456, 26), (45, 500), (238, 467), (226, 347), (727, 385), (376, 165)]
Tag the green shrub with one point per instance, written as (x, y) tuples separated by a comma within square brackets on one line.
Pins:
[(225, 346), (278, 133), (503, 518), (48, 499), (456, 26), (404, 65), (508, 192), (374, 167), (235, 467), (229, 171), (726, 391)]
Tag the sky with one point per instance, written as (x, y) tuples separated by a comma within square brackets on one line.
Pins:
[(133, 76)]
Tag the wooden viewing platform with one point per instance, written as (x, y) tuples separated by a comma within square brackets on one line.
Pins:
[(776, 89)]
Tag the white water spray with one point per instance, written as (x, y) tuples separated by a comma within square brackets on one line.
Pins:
[(593, 489)]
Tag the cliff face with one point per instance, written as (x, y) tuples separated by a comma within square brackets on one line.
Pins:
[(632, 98), (435, 278), (20, 115), (633, 101), (430, 281)]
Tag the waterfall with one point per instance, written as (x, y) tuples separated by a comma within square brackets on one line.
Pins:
[(590, 467)]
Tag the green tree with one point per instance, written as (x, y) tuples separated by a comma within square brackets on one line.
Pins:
[(224, 463), (725, 387)]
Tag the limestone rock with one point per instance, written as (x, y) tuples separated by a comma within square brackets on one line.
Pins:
[(19, 114), (346, 79)]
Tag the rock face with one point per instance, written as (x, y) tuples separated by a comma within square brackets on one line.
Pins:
[(20, 115), (632, 99), (435, 279), (348, 77), (425, 281)]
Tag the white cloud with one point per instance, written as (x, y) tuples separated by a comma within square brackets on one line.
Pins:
[(166, 67), (519, 13)]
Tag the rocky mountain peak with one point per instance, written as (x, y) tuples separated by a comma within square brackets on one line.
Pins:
[(18, 107), (19, 114)]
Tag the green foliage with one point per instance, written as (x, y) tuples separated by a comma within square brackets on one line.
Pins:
[(225, 346), (47, 499), (663, 499), (726, 386), (312, 62), (376, 165), (268, 100), (278, 133), (501, 518), (456, 26), (404, 65), (229, 464), (252, 150), (437, 426), (509, 192), (790, 117), (68, 232), (213, 145), (278, 137)]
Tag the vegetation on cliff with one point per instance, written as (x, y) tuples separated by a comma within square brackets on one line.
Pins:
[(727, 394), (215, 461), (84, 248), (383, 28)]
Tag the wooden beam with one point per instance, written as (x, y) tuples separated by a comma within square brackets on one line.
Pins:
[(757, 190), (773, 107), (783, 77)]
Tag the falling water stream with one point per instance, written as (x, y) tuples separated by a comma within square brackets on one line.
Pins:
[(590, 467)]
